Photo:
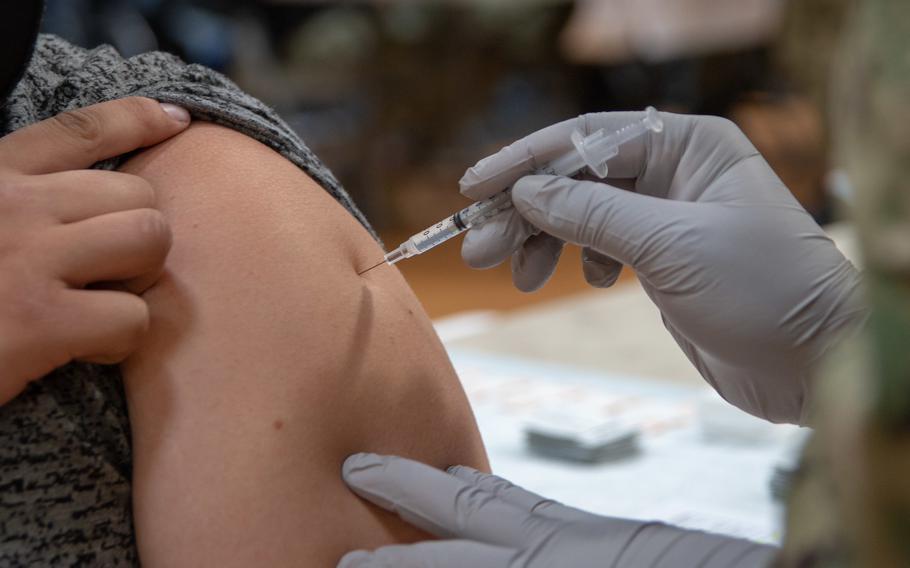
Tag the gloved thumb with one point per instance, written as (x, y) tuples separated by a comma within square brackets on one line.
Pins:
[(617, 223)]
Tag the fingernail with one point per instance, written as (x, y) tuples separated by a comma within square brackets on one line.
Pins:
[(359, 462), (179, 114), (464, 472), (356, 559)]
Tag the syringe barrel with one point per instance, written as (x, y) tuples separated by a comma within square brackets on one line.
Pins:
[(484, 209), (457, 223), (433, 236), (625, 134)]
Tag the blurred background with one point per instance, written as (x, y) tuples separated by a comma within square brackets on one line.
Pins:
[(400, 97)]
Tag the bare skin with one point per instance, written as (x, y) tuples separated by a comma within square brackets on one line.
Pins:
[(269, 360)]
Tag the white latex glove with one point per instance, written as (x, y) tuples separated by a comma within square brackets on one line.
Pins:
[(747, 283), (492, 523)]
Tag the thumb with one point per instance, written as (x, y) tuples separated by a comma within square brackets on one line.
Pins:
[(78, 138), (618, 223)]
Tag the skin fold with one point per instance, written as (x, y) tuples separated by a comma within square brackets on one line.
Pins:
[(269, 361)]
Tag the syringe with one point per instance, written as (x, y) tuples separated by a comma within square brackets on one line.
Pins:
[(592, 151)]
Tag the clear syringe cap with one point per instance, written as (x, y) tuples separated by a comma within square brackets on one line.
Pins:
[(597, 148)]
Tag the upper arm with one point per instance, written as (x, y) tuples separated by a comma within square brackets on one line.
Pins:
[(268, 361)]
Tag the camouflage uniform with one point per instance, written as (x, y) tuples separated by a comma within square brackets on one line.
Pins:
[(850, 505)]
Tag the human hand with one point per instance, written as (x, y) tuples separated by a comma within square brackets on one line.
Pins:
[(64, 227), (747, 283), (491, 523)]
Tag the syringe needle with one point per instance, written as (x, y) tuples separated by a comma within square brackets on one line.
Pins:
[(380, 263)]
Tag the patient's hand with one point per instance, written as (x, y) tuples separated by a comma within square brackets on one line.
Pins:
[(270, 360), (63, 227)]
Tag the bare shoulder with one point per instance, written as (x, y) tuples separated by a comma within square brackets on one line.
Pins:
[(210, 168), (269, 360)]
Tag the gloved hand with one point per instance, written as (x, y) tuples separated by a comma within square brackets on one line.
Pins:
[(747, 283), (492, 523)]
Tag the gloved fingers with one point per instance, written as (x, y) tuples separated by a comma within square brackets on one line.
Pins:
[(620, 224), (525, 500), (528, 155), (534, 263), (489, 244), (437, 502), (600, 270), (431, 554)]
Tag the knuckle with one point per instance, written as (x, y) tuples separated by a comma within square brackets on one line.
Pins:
[(29, 307), (23, 196), (723, 126), (83, 125), (144, 110), (470, 502), (12, 193), (24, 312), (140, 105)]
